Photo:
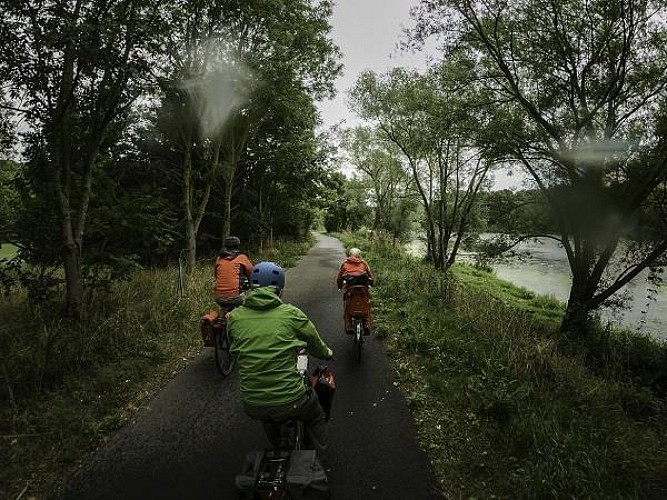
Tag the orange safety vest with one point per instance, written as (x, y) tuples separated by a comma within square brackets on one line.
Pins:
[(228, 271)]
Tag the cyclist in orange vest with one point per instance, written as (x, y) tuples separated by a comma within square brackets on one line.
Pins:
[(231, 268), (354, 267)]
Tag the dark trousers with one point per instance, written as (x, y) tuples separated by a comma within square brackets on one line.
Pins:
[(307, 409), (229, 303)]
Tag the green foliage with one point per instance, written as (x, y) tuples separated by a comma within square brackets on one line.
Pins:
[(382, 179), (9, 200), (76, 71), (72, 385), (346, 208), (132, 216), (284, 252), (102, 178), (255, 168), (515, 212), (504, 410)]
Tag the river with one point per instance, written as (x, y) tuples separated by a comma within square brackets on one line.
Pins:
[(543, 269)]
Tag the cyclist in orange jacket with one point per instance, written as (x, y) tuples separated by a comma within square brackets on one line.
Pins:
[(354, 267), (231, 268)]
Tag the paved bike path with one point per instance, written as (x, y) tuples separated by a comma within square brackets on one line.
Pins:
[(190, 441)]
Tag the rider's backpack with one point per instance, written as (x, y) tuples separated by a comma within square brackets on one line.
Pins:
[(294, 474)]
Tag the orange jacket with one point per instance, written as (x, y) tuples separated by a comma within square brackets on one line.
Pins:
[(228, 271), (354, 266)]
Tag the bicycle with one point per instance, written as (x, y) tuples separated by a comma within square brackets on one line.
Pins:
[(224, 359), (357, 308), (357, 336), (271, 481)]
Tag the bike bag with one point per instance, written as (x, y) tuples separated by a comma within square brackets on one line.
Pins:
[(206, 325), (323, 383)]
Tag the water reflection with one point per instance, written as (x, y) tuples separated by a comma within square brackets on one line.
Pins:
[(543, 269)]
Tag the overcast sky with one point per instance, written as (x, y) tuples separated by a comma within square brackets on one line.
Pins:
[(367, 32)]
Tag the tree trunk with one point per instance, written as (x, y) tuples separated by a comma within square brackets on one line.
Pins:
[(188, 195), (577, 313), (234, 140), (230, 170), (576, 321), (74, 281), (191, 241)]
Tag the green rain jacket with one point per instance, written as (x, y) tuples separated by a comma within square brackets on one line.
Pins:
[(265, 334)]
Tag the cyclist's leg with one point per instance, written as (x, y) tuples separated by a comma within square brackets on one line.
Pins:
[(307, 409), (315, 423), (272, 417)]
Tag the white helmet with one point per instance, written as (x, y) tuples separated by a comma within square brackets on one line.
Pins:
[(355, 252)]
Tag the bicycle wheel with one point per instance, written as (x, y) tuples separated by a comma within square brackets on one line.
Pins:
[(224, 359), (358, 334)]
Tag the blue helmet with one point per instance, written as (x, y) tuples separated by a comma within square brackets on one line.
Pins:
[(268, 274)]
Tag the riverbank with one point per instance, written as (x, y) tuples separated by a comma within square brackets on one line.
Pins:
[(504, 407), (66, 389), (541, 266)]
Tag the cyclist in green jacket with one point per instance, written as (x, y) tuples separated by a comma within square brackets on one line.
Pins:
[(265, 335)]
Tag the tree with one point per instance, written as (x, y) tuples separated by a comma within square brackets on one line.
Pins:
[(378, 163), (432, 120), (239, 60), (285, 166), (517, 213), (9, 200), (199, 99), (76, 68), (585, 81)]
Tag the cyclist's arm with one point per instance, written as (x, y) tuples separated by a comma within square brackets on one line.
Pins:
[(246, 264), (305, 330), (339, 277)]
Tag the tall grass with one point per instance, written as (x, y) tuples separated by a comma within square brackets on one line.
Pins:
[(66, 388), (505, 408)]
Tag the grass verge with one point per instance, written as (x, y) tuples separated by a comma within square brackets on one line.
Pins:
[(66, 389), (503, 406)]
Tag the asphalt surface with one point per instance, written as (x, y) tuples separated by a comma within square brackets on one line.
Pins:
[(191, 440)]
